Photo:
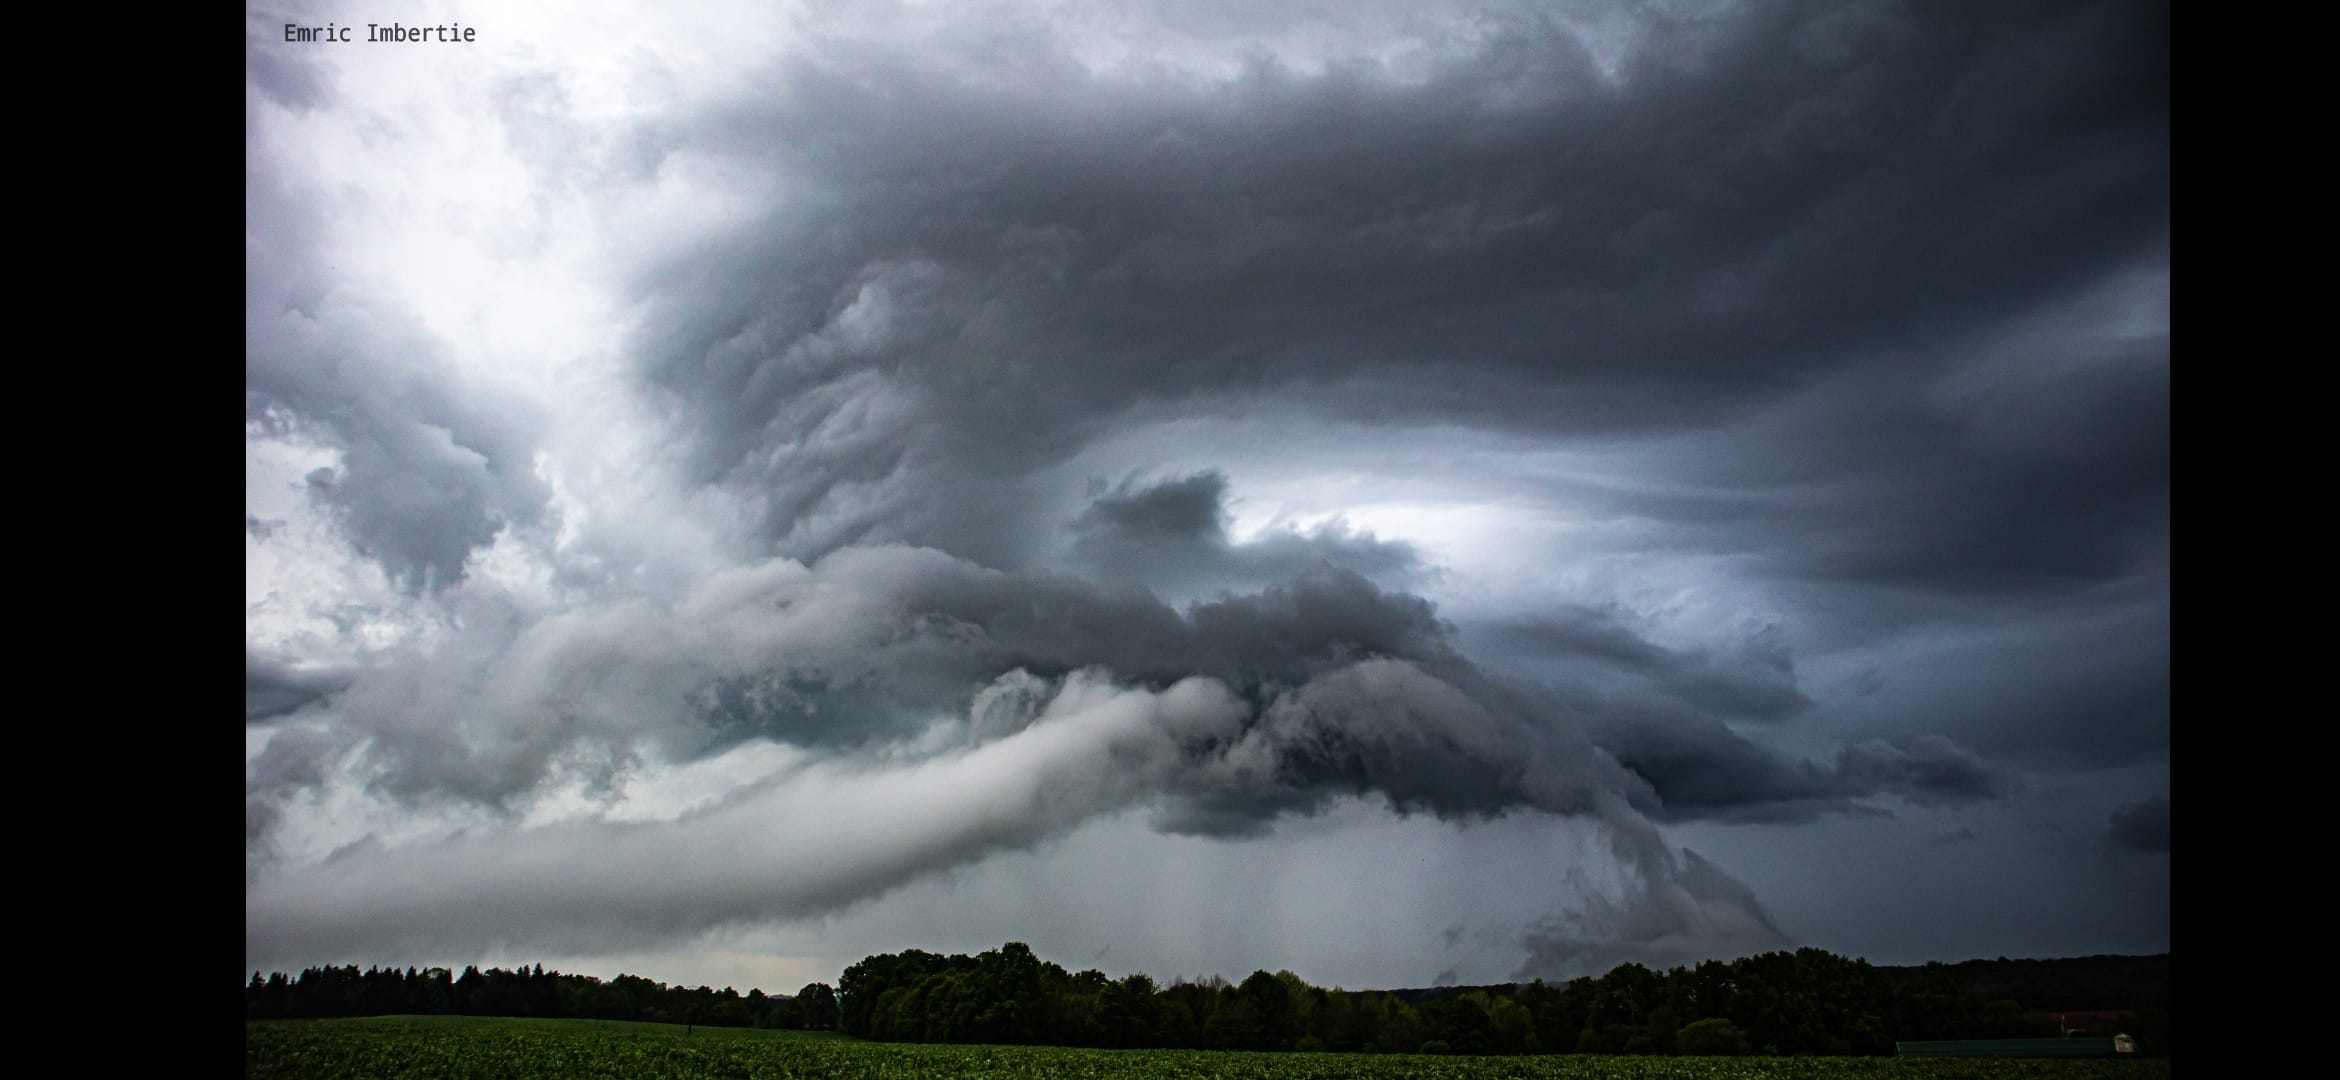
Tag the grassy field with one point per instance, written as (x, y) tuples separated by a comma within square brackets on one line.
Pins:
[(515, 1049)]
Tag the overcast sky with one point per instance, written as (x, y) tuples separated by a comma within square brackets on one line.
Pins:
[(1403, 492)]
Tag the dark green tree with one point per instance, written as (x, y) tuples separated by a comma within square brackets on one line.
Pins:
[(816, 1007), (1711, 1037)]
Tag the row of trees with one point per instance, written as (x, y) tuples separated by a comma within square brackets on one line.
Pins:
[(1804, 1002), (377, 991)]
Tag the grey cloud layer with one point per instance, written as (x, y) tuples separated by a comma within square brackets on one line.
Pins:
[(1257, 706), (274, 688), (1700, 768), (1833, 276), (820, 838), (874, 645), (431, 467), (1862, 302), (870, 646), (1171, 537), (1586, 645), (1303, 701), (964, 280)]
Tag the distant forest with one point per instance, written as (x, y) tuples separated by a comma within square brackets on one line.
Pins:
[(1804, 1002)]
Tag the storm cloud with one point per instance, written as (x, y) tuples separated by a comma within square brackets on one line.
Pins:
[(728, 486), (430, 466), (971, 276), (1696, 914), (273, 688), (1172, 537)]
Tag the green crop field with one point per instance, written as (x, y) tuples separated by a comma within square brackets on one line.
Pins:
[(513, 1049)]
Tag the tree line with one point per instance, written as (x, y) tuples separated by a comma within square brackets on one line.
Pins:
[(378, 991), (1808, 1001)]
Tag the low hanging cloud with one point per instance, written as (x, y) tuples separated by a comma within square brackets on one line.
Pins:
[(2142, 825), (1674, 718), (1057, 702), (874, 646), (868, 647), (808, 842), (951, 711), (832, 832), (1689, 913), (1389, 728)]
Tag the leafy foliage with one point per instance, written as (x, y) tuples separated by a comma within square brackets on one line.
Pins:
[(1806, 1002), (346, 991)]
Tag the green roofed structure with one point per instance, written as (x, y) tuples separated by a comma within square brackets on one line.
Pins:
[(2068, 1047)]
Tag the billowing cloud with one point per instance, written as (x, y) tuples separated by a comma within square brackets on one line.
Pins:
[(787, 462), (822, 837), (273, 688), (1172, 537), (868, 646), (831, 832), (431, 466), (1488, 232), (1696, 912)]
